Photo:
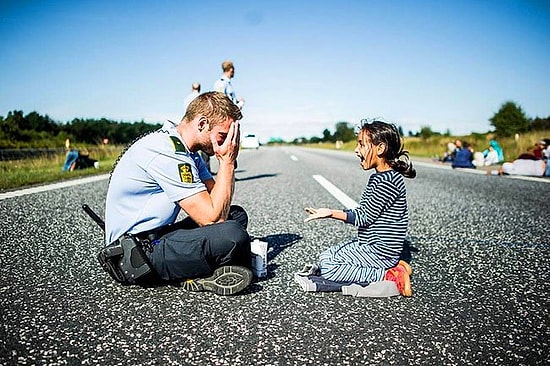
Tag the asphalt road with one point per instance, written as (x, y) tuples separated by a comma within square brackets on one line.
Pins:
[(480, 282)]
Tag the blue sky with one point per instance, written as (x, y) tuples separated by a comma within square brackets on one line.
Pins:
[(301, 66)]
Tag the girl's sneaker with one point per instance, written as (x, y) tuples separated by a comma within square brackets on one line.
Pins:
[(406, 265), (400, 276)]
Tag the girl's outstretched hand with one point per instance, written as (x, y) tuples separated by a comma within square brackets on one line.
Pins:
[(317, 213)]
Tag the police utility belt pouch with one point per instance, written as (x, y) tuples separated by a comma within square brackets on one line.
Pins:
[(125, 261)]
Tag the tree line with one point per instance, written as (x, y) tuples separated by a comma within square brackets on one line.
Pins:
[(34, 130)]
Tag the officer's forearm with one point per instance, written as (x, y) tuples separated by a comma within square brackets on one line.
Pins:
[(222, 193)]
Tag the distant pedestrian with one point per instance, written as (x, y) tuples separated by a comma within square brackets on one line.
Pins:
[(223, 84), (195, 91), (382, 221)]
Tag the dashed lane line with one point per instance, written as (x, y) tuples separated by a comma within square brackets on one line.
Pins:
[(335, 192)]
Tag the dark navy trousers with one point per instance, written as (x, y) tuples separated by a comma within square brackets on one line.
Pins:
[(185, 250)]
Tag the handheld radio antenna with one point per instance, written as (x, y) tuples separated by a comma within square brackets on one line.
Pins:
[(94, 216)]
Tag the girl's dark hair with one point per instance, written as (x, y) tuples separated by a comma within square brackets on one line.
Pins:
[(386, 133)]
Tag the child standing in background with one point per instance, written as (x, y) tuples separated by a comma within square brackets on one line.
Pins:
[(382, 221)]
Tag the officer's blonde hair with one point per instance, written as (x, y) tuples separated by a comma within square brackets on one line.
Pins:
[(227, 65), (215, 106)]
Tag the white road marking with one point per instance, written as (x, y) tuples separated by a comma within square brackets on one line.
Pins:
[(293, 157), (50, 187), (335, 192)]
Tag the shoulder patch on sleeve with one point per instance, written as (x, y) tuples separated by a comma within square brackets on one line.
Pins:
[(186, 175), (178, 145)]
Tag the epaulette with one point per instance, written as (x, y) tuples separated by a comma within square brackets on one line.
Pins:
[(178, 145)]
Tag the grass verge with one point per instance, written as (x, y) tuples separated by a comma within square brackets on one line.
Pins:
[(23, 173), (29, 172), (434, 146)]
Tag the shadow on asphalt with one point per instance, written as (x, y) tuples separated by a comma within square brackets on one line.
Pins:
[(259, 176), (409, 249), (276, 243)]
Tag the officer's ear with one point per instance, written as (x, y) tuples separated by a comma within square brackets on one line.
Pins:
[(203, 123)]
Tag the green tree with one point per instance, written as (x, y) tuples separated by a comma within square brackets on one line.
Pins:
[(13, 125), (400, 130), (40, 123), (327, 135), (509, 120), (344, 132), (426, 132), (540, 124)]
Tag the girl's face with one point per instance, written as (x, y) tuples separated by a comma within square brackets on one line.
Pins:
[(369, 154), (365, 151)]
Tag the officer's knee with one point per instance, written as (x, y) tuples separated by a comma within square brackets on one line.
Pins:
[(238, 214), (236, 233)]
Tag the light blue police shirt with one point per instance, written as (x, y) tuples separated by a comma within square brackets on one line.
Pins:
[(223, 85), (152, 176)]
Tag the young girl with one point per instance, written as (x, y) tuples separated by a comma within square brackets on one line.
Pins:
[(382, 220)]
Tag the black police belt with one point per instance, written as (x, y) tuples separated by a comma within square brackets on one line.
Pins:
[(126, 261)]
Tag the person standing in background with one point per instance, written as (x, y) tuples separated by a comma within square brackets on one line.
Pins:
[(195, 91), (223, 84)]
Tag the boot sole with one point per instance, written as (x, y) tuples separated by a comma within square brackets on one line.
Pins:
[(225, 281)]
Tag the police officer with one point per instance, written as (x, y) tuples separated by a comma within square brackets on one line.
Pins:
[(195, 91), (162, 173), (223, 84)]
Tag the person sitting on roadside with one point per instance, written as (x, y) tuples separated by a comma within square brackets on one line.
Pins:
[(464, 157), (530, 163), (77, 159), (535, 152), (546, 156), (546, 151), (490, 156), (448, 155), (528, 167), (452, 149), (489, 153)]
